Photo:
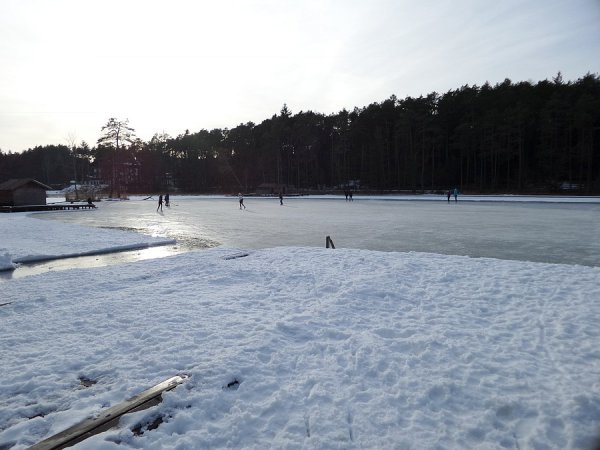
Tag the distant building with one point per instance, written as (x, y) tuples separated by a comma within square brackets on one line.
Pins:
[(23, 191), (567, 186), (90, 189), (271, 189)]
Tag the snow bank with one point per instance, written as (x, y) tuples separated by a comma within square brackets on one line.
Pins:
[(6, 260), (320, 349), (28, 239)]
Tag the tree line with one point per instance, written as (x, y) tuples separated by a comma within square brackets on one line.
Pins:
[(510, 137)]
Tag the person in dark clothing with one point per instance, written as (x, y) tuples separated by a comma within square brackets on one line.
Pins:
[(281, 199), (160, 202), (167, 204), (241, 198), (448, 194)]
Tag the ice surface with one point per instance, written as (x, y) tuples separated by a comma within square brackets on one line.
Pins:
[(565, 232)]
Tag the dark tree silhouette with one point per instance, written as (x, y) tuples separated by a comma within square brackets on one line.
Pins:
[(510, 137)]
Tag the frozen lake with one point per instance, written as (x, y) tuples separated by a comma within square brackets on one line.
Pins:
[(545, 232)]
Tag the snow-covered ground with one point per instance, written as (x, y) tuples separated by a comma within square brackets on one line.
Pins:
[(344, 348)]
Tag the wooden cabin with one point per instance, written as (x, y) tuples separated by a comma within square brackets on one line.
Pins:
[(23, 191)]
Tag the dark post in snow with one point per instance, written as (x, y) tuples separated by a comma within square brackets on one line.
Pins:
[(329, 242)]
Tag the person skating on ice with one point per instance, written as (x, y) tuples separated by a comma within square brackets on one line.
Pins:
[(160, 203)]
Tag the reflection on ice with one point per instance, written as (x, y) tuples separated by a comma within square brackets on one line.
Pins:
[(86, 262)]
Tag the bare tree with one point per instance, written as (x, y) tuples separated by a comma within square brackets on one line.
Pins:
[(71, 143), (115, 132)]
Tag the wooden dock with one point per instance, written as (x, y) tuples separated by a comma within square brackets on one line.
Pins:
[(48, 207)]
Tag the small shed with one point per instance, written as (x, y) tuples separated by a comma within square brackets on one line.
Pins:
[(23, 191)]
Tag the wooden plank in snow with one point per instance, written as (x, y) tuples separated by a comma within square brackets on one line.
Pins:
[(110, 417)]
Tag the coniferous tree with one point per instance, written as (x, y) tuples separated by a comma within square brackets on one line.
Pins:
[(510, 137)]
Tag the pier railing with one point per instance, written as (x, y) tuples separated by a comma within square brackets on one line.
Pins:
[(50, 207)]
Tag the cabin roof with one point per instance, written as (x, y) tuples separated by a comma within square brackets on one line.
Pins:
[(16, 183)]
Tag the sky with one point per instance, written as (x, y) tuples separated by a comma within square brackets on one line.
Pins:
[(68, 66)]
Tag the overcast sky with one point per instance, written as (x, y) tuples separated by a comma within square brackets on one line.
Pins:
[(67, 66)]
